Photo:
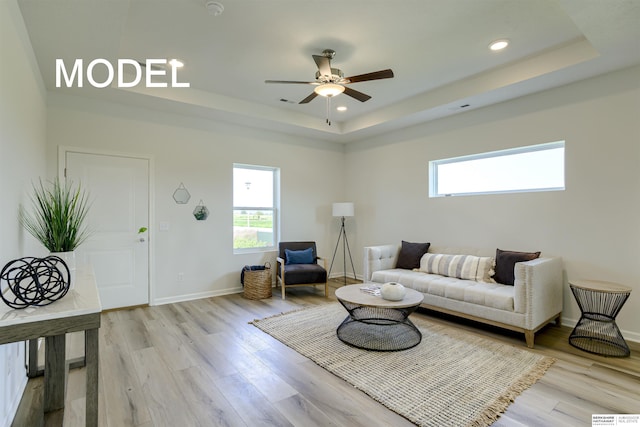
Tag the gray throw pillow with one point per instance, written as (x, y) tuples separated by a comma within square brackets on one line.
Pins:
[(410, 254), (505, 263)]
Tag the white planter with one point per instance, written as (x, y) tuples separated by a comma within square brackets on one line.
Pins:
[(393, 291), (70, 259)]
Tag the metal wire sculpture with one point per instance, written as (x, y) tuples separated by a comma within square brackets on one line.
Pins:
[(34, 281)]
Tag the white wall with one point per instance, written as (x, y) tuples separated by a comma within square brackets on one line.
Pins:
[(201, 154), (593, 225), (22, 159)]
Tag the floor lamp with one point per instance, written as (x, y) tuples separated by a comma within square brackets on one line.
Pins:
[(343, 210)]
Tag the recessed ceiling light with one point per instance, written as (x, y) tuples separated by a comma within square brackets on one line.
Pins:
[(176, 63), (341, 108), (499, 44)]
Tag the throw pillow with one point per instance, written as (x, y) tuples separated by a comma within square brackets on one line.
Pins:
[(466, 267), (304, 256), (505, 264), (410, 254)]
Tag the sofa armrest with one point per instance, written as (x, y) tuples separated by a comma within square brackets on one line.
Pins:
[(538, 289), (379, 258)]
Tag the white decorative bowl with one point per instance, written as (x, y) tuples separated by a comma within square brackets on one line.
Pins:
[(393, 291)]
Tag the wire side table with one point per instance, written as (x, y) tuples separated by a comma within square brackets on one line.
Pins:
[(596, 331)]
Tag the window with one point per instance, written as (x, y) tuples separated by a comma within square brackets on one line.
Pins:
[(532, 168), (255, 207)]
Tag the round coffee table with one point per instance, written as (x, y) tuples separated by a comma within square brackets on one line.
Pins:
[(596, 331), (374, 323)]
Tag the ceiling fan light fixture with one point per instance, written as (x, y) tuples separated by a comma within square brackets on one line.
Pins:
[(329, 89)]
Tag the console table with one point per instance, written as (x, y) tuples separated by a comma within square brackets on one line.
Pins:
[(79, 310), (596, 331)]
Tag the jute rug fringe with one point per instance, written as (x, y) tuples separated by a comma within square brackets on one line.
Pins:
[(500, 405), (282, 313)]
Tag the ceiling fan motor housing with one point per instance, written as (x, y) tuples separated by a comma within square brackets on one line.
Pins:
[(336, 76)]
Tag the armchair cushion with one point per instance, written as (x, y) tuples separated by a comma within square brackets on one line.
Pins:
[(295, 246), (304, 256), (304, 273)]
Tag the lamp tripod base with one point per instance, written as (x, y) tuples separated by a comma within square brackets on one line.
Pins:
[(345, 250)]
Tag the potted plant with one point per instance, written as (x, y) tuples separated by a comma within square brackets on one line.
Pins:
[(58, 218)]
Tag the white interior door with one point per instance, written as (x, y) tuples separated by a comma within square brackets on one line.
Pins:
[(119, 194)]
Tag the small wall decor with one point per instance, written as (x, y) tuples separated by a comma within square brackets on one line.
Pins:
[(34, 281), (201, 212), (181, 195)]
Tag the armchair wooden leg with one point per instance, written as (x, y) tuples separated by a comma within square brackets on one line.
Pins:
[(282, 286)]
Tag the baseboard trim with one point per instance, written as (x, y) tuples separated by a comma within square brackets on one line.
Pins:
[(341, 275), (198, 295)]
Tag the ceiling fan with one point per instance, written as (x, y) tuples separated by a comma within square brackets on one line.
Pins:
[(330, 82)]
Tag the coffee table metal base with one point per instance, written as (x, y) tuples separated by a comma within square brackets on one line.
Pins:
[(378, 328)]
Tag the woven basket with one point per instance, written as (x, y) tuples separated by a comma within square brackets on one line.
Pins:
[(257, 283)]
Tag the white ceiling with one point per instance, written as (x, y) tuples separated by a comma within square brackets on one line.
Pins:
[(438, 50)]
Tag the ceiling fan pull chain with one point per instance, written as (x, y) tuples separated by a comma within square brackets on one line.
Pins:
[(329, 110)]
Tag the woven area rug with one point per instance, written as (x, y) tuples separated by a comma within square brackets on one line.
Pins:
[(452, 378)]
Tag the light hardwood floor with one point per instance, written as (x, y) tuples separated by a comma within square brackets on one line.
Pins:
[(200, 363)]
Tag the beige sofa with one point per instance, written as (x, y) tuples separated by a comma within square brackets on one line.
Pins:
[(534, 301)]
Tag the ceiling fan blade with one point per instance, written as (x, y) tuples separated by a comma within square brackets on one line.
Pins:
[(324, 65), (291, 82), (362, 97), (376, 75), (308, 98)]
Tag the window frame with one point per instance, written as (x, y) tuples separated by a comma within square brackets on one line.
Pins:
[(433, 169), (275, 209)]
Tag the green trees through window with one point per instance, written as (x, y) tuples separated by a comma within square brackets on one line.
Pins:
[(255, 207)]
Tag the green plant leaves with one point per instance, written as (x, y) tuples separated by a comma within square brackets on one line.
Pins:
[(59, 214)]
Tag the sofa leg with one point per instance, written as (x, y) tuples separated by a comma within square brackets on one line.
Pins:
[(559, 320), (283, 291), (529, 337)]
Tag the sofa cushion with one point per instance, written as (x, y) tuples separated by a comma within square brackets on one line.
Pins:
[(410, 254), (493, 295), (505, 264), (467, 267)]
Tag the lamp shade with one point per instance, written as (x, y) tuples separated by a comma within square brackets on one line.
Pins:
[(343, 209)]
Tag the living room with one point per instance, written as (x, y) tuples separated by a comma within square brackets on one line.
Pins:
[(591, 225)]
